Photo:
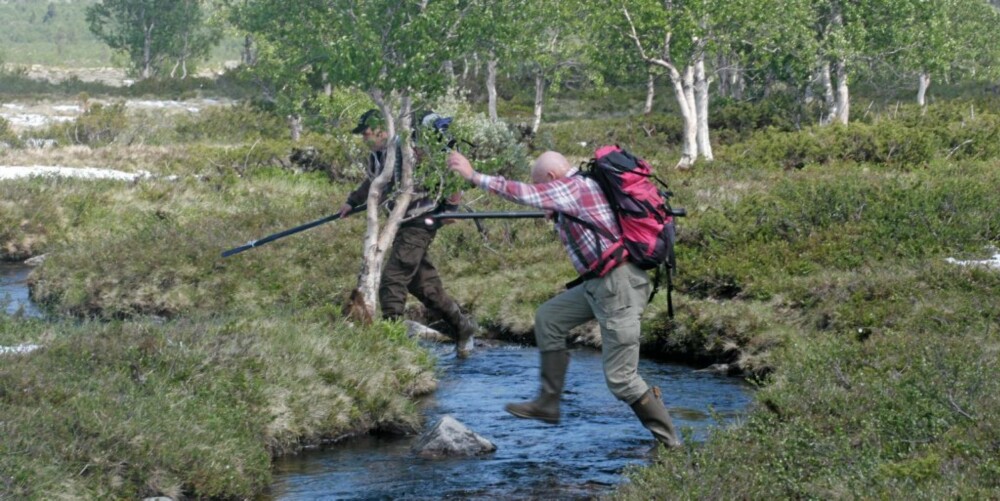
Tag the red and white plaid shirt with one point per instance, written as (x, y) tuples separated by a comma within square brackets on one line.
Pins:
[(578, 196)]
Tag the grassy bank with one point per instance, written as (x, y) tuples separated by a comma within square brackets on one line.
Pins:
[(193, 407), (812, 259)]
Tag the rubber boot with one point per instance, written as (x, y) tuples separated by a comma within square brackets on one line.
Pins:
[(546, 406), (463, 326), (654, 416)]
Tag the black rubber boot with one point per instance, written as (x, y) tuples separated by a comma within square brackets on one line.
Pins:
[(546, 406), (654, 416)]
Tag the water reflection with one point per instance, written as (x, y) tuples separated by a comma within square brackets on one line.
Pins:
[(583, 457)]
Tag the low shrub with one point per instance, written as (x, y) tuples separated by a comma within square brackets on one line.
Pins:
[(99, 125), (7, 135), (230, 124)]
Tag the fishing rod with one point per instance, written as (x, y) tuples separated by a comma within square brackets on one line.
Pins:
[(291, 231), (429, 219), (510, 215)]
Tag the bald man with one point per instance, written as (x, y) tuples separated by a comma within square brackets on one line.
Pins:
[(615, 299)]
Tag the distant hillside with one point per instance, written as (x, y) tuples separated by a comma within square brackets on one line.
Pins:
[(54, 33)]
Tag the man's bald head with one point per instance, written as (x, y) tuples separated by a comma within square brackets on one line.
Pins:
[(550, 166)]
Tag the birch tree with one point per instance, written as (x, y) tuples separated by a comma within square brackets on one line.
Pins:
[(675, 37), (553, 48), (943, 39), (394, 51), (153, 32), (496, 29)]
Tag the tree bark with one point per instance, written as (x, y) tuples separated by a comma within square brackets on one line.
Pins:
[(843, 93), (701, 96), (831, 104), (925, 83), (364, 299), (147, 52), (295, 127), (539, 100), (685, 99), (248, 56), (449, 71), (491, 87), (650, 93)]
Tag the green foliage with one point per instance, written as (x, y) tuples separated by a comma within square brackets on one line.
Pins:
[(239, 123), (493, 144), (953, 131), (154, 34)]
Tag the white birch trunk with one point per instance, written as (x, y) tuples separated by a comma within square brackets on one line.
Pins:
[(295, 127), (689, 149), (378, 240), (539, 99), (650, 93), (843, 93), (828, 99), (701, 97), (491, 87), (147, 53), (925, 83), (449, 71)]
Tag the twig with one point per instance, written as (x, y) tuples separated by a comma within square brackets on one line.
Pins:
[(958, 409), (841, 377), (953, 150), (246, 159)]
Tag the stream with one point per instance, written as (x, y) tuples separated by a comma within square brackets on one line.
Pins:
[(14, 291), (583, 457)]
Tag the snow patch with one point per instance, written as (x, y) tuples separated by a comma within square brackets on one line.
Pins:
[(994, 262), (20, 172), (162, 105), (32, 119), (19, 349)]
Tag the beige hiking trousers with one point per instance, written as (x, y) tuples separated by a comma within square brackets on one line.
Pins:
[(616, 300)]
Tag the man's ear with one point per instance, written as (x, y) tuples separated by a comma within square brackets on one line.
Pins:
[(551, 175)]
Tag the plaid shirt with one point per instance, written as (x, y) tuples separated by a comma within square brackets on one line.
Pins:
[(578, 196)]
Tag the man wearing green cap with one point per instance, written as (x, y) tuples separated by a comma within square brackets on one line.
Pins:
[(409, 268)]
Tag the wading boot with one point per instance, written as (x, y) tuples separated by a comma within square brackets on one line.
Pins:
[(654, 416), (546, 406), (463, 327)]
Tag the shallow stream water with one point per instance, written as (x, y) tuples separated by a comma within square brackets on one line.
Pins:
[(14, 291), (583, 457)]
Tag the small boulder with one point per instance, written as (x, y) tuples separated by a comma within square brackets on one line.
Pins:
[(420, 331), (450, 438), (720, 369), (37, 260)]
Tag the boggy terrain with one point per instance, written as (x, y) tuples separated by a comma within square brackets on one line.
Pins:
[(812, 260)]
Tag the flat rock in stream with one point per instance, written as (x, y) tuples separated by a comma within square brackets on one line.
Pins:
[(421, 331), (450, 438)]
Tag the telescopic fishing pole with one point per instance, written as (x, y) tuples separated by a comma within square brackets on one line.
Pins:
[(430, 218), (270, 238)]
